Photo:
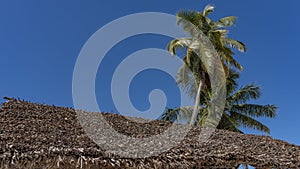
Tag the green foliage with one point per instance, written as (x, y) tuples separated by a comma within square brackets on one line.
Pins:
[(237, 113), (192, 22), (226, 22)]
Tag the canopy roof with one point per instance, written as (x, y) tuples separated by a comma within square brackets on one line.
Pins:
[(36, 135)]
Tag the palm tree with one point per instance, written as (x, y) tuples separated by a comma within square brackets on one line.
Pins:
[(198, 24), (237, 113)]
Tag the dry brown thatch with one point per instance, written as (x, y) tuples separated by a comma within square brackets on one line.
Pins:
[(41, 136)]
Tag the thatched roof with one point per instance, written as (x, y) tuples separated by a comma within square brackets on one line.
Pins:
[(41, 136)]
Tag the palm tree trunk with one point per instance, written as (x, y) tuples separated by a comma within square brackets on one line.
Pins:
[(196, 107)]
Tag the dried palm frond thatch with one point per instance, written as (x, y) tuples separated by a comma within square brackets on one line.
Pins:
[(42, 136)]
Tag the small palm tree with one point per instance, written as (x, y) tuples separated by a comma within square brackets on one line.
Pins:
[(194, 22), (237, 113)]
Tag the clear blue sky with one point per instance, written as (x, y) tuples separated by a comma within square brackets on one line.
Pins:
[(40, 42)]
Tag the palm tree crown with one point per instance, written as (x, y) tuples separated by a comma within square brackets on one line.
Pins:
[(217, 34), (195, 73)]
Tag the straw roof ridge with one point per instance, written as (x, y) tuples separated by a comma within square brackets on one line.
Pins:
[(41, 136)]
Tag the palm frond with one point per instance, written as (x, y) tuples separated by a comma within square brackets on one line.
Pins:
[(244, 94), (188, 57), (231, 61), (178, 43), (185, 80), (226, 22), (169, 115), (208, 9), (231, 81), (202, 117), (240, 46), (247, 121), (223, 33), (181, 114), (227, 123), (194, 22), (190, 21), (255, 110), (185, 113)]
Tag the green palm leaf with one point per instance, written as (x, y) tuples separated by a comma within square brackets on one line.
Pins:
[(226, 22), (169, 115), (182, 113), (231, 81), (185, 79), (208, 9), (202, 117), (249, 122), (240, 46), (227, 123), (178, 43), (190, 21), (187, 111), (231, 61), (255, 110), (244, 94)]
